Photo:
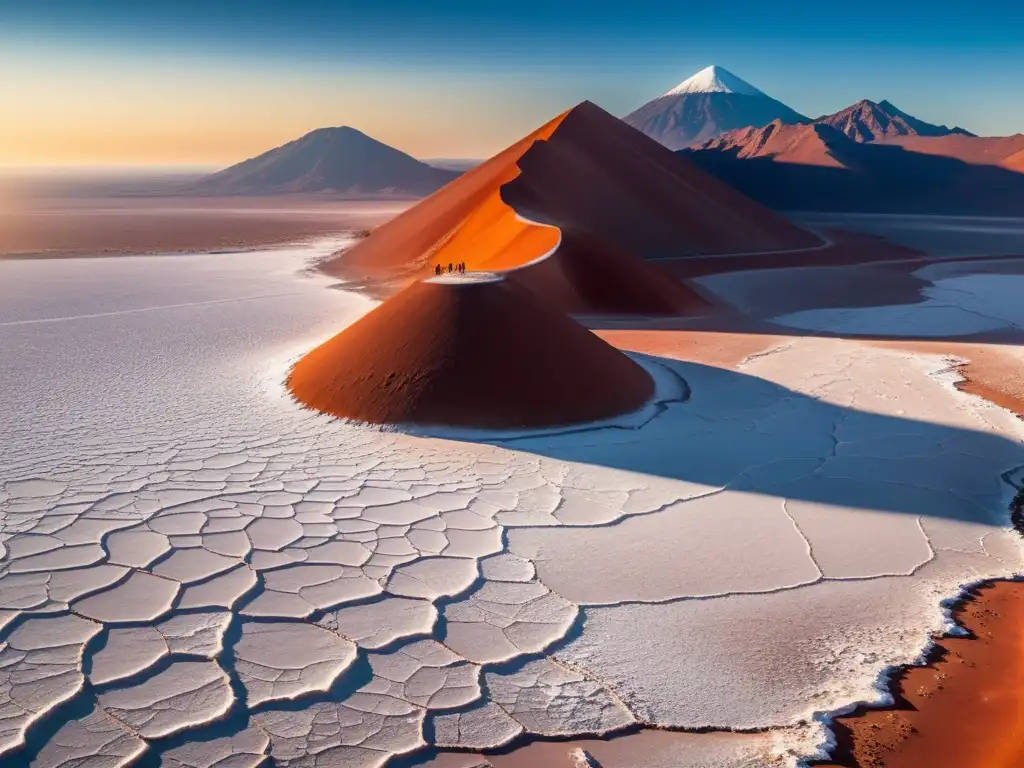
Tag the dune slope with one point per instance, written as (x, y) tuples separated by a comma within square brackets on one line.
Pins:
[(593, 197), (475, 351)]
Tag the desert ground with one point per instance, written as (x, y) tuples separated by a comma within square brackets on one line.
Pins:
[(112, 218), (199, 571)]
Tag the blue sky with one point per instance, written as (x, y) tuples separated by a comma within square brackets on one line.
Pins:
[(222, 79)]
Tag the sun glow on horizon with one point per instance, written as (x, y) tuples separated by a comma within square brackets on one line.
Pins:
[(117, 112), (163, 86)]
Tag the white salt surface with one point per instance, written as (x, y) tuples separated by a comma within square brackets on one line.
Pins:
[(186, 553)]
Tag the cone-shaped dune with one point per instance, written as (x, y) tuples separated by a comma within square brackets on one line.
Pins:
[(571, 211), (469, 351)]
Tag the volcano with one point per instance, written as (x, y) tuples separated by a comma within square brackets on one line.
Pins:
[(341, 161), (707, 105)]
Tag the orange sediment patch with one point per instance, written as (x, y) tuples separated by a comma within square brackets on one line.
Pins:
[(994, 372), (997, 377), (720, 349), (965, 708), (472, 352)]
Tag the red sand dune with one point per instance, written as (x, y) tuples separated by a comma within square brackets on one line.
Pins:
[(609, 196), (478, 351)]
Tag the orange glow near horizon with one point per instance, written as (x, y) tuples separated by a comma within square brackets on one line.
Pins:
[(170, 113)]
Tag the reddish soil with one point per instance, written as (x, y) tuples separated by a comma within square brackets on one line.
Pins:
[(473, 354), (600, 196), (720, 349), (992, 372), (965, 708), (996, 377)]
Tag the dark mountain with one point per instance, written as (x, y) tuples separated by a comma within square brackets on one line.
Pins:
[(707, 105), (868, 121), (342, 161)]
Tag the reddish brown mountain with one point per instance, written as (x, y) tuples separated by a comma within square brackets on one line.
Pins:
[(1015, 162), (889, 163), (803, 144), (868, 121), (572, 211)]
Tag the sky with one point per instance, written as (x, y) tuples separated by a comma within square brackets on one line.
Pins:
[(206, 83)]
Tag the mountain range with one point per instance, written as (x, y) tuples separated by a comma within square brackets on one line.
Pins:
[(868, 121), (342, 161), (870, 157)]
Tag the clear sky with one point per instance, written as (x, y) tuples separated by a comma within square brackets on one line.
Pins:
[(211, 82)]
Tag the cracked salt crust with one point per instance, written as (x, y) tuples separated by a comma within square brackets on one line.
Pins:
[(181, 541)]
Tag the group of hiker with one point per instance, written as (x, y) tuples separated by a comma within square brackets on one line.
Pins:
[(460, 268)]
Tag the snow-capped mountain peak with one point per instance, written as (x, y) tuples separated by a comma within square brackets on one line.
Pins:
[(707, 105), (715, 79)]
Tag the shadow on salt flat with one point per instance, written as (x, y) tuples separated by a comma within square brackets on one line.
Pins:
[(748, 434)]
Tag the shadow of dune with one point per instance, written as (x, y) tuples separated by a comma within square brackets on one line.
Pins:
[(876, 178), (747, 434)]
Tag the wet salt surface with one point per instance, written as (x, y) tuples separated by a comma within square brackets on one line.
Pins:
[(939, 236), (947, 299), (197, 569)]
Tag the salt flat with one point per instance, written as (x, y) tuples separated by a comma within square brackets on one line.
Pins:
[(198, 571)]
